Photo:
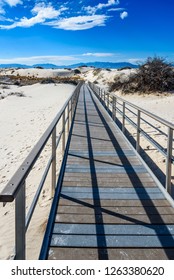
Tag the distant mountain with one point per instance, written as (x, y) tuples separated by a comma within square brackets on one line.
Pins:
[(112, 65), (47, 66), (97, 64), (14, 66)]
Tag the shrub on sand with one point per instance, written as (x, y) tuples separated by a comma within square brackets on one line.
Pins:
[(155, 75)]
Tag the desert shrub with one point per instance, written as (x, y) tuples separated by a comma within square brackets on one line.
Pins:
[(5, 87), (77, 71), (1, 96), (124, 68), (155, 75), (19, 94), (116, 85), (96, 71), (47, 81), (17, 83)]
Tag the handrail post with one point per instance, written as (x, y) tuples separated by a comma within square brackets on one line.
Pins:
[(20, 224), (104, 97), (53, 160), (68, 115), (108, 102), (168, 160), (113, 101), (138, 131), (115, 113), (123, 120), (71, 110), (63, 133), (114, 108)]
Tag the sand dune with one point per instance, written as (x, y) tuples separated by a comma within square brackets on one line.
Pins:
[(23, 121), (38, 73)]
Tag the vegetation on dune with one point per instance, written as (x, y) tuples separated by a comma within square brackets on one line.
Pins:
[(23, 80), (97, 71), (155, 75), (77, 71)]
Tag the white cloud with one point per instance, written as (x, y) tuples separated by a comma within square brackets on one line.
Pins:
[(136, 60), (38, 59), (116, 9), (2, 18), (79, 22), (2, 12), (124, 15), (41, 12), (46, 14), (12, 3), (98, 54), (93, 10)]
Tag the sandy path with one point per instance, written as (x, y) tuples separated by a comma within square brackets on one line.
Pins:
[(23, 121)]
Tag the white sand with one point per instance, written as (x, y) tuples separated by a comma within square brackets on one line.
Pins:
[(23, 121), (35, 72), (103, 77)]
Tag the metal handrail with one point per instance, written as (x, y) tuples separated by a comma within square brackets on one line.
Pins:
[(15, 188), (101, 94)]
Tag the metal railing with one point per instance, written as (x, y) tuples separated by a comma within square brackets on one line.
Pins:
[(15, 188), (117, 105)]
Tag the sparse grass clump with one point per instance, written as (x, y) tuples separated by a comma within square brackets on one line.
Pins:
[(77, 71), (155, 75), (47, 81), (18, 94), (23, 80), (97, 71)]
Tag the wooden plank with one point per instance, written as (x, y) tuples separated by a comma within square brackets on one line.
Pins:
[(105, 184), (122, 196), (108, 241), (57, 253), (115, 170), (92, 229), (65, 200), (117, 153), (89, 209), (113, 190), (133, 177), (114, 218), (100, 161)]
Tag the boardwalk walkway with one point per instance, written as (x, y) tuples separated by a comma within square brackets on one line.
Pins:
[(109, 206)]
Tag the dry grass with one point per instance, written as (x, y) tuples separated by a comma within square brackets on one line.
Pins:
[(23, 80), (155, 75)]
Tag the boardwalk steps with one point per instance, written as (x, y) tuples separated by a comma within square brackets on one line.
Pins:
[(109, 205)]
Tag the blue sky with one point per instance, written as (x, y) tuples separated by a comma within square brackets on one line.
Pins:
[(70, 31)]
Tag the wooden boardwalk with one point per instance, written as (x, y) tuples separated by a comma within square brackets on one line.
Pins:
[(110, 206)]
